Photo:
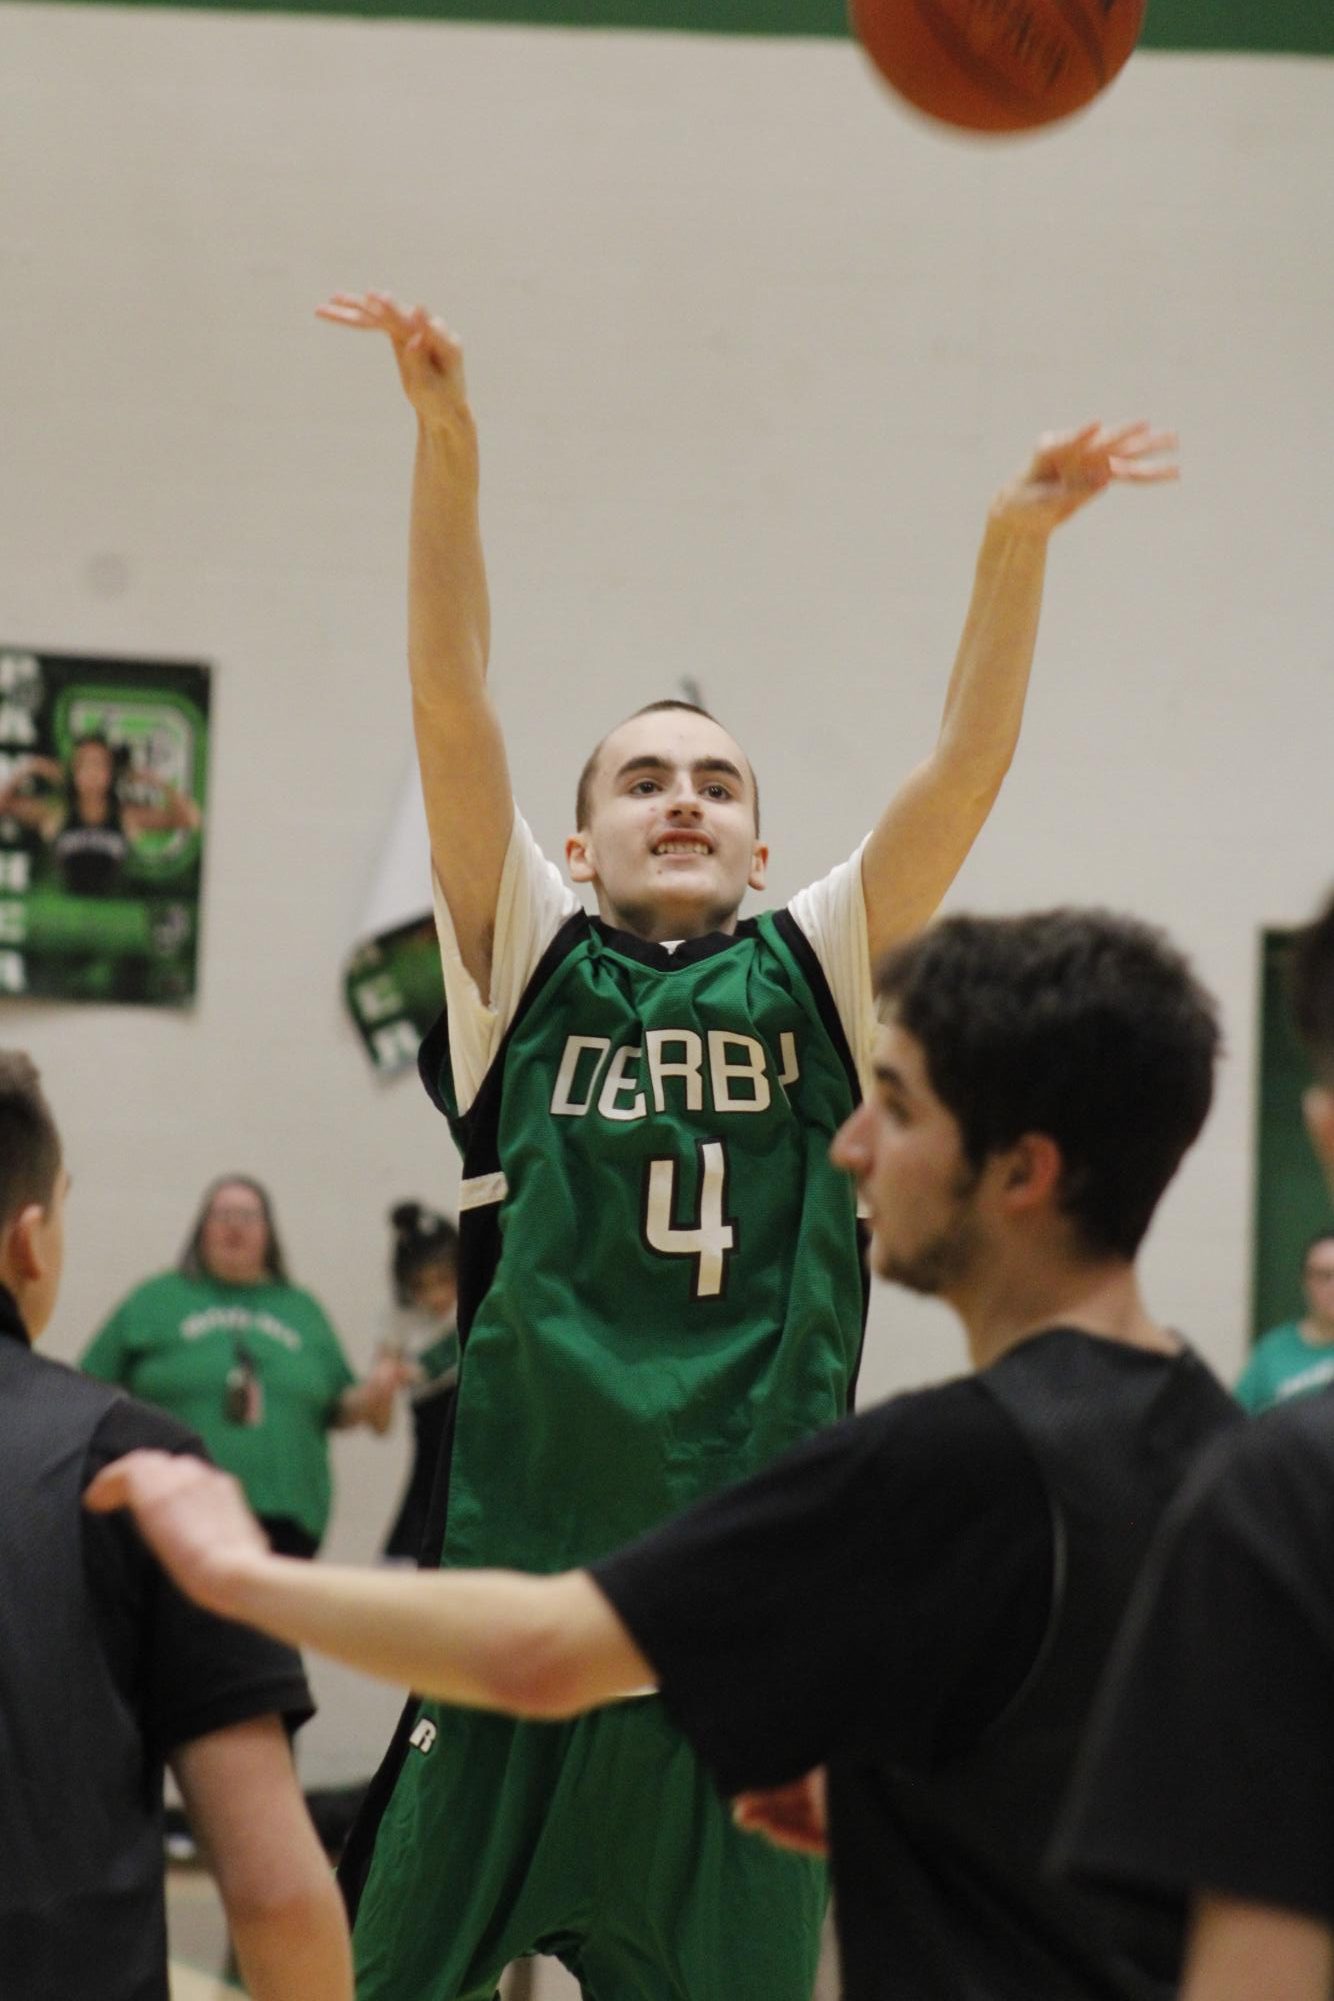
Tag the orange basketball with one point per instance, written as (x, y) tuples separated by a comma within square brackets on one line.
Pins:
[(998, 65)]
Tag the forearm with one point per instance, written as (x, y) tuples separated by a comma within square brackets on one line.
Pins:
[(1255, 1952), (449, 614), (923, 837), (283, 1910), (527, 1646), (984, 703), (298, 1949)]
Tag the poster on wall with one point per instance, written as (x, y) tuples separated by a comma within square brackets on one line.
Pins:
[(103, 789), (391, 978)]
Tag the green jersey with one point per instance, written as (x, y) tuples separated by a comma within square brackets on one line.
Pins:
[(191, 1344), (661, 1284), (1285, 1364)]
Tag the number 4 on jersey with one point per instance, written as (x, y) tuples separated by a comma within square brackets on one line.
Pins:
[(712, 1237)]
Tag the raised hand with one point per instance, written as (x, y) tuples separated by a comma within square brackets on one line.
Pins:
[(793, 1816), (1070, 467), (193, 1518), (429, 356)]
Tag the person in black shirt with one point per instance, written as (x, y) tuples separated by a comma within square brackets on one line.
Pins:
[(920, 1599), (1209, 1773), (107, 1673)]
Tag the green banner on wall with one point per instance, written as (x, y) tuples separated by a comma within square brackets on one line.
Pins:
[(103, 765), (1271, 27)]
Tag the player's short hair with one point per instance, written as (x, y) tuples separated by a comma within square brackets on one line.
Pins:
[(191, 1260), (583, 798), (422, 1238), (1311, 987), (29, 1142), (1088, 1027)]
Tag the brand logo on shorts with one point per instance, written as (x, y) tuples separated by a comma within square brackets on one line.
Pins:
[(424, 1736)]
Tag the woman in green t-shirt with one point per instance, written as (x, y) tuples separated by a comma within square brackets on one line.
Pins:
[(231, 1347)]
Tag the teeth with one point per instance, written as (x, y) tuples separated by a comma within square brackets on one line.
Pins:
[(681, 848)]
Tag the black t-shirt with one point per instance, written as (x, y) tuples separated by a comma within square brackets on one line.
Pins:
[(880, 1588), (105, 1670), (888, 1601), (1210, 1763), (184, 1671)]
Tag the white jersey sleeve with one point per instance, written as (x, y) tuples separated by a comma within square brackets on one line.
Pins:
[(534, 901), (832, 914)]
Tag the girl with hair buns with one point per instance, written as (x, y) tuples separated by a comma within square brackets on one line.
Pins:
[(424, 1271)]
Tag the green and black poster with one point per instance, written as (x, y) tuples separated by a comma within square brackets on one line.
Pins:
[(391, 978), (103, 787)]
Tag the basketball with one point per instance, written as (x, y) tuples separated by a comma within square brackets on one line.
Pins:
[(998, 65)]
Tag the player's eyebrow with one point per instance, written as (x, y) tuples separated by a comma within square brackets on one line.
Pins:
[(648, 762), (890, 1079)]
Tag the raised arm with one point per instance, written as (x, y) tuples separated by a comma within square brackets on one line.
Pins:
[(44, 815), (486, 1639), (923, 837), (460, 750), (174, 813)]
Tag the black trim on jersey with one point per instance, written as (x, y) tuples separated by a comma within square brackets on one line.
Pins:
[(478, 1132), (354, 1865), (802, 950), (433, 1054), (662, 957), (804, 953), (432, 1058)]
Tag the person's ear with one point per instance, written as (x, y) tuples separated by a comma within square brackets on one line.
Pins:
[(24, 1244), (759, 865), (579, 858), (1030, 1172)]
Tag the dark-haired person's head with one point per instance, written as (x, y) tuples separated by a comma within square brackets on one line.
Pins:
[(1318, 1280), (424, 1263), (668, 824), (234, 1238), (1312, 991), (1044, 1074), (32, 1193)]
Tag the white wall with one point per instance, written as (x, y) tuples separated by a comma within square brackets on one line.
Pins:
[(749, 348)]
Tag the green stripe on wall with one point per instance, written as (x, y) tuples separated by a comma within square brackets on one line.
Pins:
[(1271, 27)]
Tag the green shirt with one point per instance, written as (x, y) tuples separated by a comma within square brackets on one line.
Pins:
[(661, 1286), (1284, 1364), (175, 1340)]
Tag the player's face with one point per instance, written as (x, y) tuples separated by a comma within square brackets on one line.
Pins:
[(671, 844), (234, 1244), (917, 1188), (1318, 1282)]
